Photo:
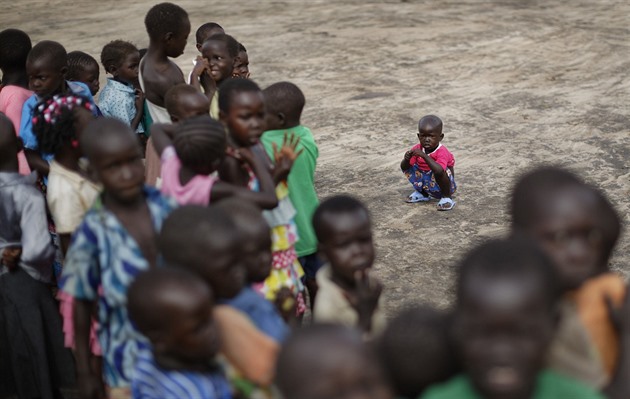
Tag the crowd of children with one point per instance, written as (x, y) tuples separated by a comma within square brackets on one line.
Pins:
[(167, 240)]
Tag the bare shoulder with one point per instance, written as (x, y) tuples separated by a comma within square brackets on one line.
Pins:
[(159, 78)]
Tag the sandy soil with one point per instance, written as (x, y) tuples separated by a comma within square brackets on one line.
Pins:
[(517, 83)]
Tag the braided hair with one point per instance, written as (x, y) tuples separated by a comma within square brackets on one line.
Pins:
[(54, 121), (200, 142), (78, 62)]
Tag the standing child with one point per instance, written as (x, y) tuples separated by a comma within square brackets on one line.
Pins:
[(205, 31), (34, 362), (14, 48), (46, 66), (504, 321), (168, 27), (173, 309), (82, 67), (120, 98), (284, 103), (578, 228), (347, 294), (429, 166), (115, 242)]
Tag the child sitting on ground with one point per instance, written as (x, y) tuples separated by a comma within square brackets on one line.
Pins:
[(429, 166), (82, 67), (416, 350), (168, 27), (191, 152), (34, 362), (183, 101), (120, 98), (46, 66), (504, 321), (241, 65), (284, 103), (578, 228), (173, 309), (115, 242), (328, 361), (14, 48), (255, 254), (347, 293)]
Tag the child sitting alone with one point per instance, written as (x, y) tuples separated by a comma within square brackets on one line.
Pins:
[(429, 166)]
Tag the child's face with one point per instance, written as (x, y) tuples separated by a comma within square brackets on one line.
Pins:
[(255, 250), (245, 119), (223, 270), (503, 329), (241, 65), (191, 105), (193, 334), (117, 164), (127, 72), (209, 34), (89, 75), (176, 44), (429, 137), (43, 79), (219, 58), (348, 245), (571, 233)]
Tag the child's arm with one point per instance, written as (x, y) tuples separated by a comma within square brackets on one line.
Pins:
[(139, 105), (265, 180), (162, 134), (285, 157), (404, 164), (200, 79), (436, 168), (365, 299), (90, 384), (619, 387)]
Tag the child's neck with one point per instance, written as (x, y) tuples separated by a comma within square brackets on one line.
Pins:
[(343, 284), (156, 53), (15, 78), (122, 81), (123, 207)]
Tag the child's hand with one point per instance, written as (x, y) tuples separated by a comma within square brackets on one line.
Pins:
[(201, 65), (139, 103), (285, 156), (620, 316), (286, 304), (418, 153), (244, 154), (365, 298), (11, 257), (408, 156)]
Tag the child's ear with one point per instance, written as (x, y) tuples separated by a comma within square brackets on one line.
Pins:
[(64, 71), (198, 45), (168, 36), (112, 70), (441, 136), (282, 119)]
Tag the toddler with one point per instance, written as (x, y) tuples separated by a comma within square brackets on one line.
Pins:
[(327, 361), (115, 242), (34, 362), (347, 294), (578, 228), (120, 98), (241, 65), (14, 48), (429, 166), (82, 67), (284, 103), (173, 309), (504, 320)]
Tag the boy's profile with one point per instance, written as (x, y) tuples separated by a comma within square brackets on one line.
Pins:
[(429, 166)]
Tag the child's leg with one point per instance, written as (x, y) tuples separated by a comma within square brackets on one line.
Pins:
[(447, 188), (414, 175)]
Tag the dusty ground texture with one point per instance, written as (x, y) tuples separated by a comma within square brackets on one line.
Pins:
[(517, 83)]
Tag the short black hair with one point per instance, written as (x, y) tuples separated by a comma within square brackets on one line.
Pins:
[(100, 129), (115, 52), (200, 141), (515, 257), (78, 61), (173, 95), (432, 120), (202, 32), (230, 42), (51, 51), (230, 87), (163, 18), (335, 205), (241, 47), (284, 97), (14, 48)]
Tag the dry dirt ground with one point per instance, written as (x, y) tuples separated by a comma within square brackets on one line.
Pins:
[(517, 83)]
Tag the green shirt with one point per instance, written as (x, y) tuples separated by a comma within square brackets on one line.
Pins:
[(301, 183), (551, 385)]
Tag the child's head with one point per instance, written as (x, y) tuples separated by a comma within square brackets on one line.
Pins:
[(255, 236), (121, 59), (10, 145), (173, 309), (241, 64), (14, 48), (430, 132), (82, 67), (284, 102), (205, 31), (115, 159), (329, 361), (200, 144), (505, 316), (416, 350), (204, 240), (572, 221), (221, 51), (168, 27), (58, 122), (242, 111), (46, 67), (344, 231), (183, 101)]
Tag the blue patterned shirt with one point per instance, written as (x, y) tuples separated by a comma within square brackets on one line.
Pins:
[(118, 100), (103, 254)]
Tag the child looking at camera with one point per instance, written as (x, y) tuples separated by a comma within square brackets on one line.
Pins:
[(429, 166)]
